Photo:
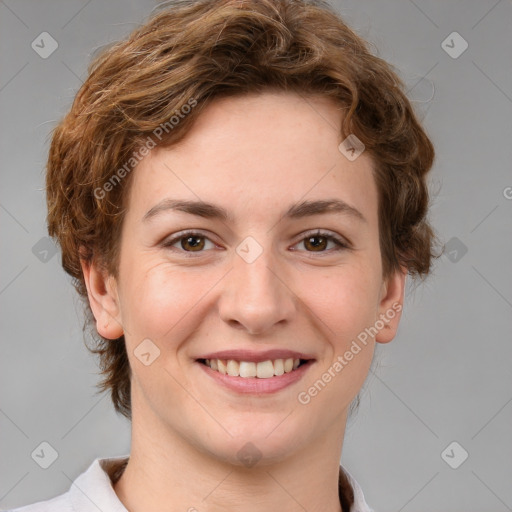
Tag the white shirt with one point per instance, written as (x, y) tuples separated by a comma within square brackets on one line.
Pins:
[(93, 491)]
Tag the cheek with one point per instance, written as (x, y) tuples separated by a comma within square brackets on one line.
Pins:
[(345, 302), (159, 299), (345, 298)]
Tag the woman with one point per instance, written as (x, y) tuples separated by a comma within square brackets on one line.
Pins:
[(239, 191)]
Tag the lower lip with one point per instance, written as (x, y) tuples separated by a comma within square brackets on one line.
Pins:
[(256, 385)]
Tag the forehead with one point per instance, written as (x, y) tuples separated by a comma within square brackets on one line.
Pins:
[(258, 153)]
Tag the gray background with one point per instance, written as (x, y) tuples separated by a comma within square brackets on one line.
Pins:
[(446, 377)]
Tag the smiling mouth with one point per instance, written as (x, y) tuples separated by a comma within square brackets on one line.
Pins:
[(250, 369)]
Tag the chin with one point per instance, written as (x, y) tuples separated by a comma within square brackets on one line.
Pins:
[(262, 442)]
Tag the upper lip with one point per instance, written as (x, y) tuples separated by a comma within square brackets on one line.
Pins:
[(256, 356)]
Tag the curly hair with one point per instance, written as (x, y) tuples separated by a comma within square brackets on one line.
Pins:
[(190, 53)]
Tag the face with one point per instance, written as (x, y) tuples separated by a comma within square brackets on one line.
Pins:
[(278, 272)]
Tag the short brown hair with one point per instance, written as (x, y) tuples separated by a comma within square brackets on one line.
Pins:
[(197, 51)]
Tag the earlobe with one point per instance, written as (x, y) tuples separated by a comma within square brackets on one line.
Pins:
[(103, 299), (391, 305)]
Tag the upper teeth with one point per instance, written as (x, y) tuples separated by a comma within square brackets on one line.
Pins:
[(262, 370)]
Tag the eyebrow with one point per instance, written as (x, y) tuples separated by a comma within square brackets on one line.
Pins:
[(295, 211)]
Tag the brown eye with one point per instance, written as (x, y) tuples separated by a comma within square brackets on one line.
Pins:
[(317, 243), (188, 243), (192, 243)]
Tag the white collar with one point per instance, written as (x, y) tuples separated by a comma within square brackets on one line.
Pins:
[(93, 490)]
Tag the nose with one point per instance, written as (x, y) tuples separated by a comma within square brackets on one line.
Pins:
[(256, 296)]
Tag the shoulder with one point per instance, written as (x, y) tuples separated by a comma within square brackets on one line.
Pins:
[(60, 503), (91, 491)]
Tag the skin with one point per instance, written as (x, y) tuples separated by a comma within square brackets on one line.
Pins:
[(255, 156)]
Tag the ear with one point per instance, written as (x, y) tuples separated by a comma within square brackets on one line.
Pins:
[(391, 305), (103, 298)]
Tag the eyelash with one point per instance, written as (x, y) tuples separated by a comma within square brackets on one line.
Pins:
[(340, 243)]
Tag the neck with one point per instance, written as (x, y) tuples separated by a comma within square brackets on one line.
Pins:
[(166, 472)]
